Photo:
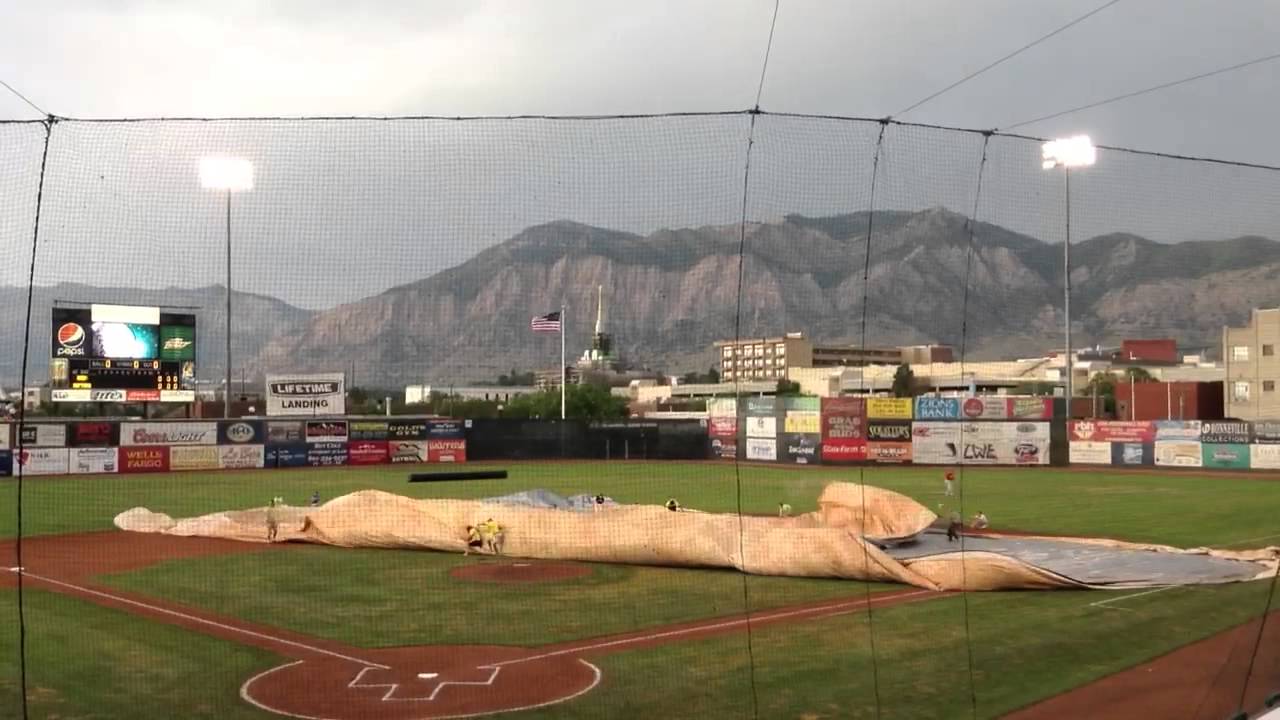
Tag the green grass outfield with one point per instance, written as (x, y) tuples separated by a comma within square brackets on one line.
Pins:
[(90, 662)]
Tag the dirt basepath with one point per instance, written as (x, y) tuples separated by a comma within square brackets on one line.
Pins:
[(1201, 681)]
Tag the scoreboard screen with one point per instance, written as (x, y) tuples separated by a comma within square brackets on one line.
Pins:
[(122, 353)]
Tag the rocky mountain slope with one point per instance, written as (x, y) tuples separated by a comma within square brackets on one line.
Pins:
[(670, 294)]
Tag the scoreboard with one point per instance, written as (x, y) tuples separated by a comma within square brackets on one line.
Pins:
[(121, 353)]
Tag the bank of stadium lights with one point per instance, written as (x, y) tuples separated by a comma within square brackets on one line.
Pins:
[(227, 175), (1066, 153), (230, 174), (1069, 152)]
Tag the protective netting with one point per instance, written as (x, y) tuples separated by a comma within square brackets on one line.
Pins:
[(786, 270)]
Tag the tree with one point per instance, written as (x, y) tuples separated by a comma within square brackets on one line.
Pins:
[(787, 387), (904, 382), (517, 378), (1138, 375), (582, 402), (1103, 385), (692, 378)]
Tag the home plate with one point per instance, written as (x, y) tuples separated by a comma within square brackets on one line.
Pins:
[(428, 676), (520, 564)]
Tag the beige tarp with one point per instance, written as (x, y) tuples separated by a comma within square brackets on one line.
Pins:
[(828, 543)]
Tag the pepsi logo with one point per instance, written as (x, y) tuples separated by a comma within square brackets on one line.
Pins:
[(70, 338)]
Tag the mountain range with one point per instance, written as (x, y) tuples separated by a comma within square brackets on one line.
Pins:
[(670, 294)]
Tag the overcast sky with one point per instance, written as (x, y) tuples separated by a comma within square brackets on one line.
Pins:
[(343, 211)]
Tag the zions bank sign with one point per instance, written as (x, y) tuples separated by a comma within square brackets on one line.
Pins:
[(306, 394)]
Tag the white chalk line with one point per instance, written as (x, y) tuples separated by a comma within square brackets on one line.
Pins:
[(824, 611), (247, 696), (1106, 604), (200, 620), (389, 696)]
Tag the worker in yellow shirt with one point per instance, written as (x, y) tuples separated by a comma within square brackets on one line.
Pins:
[(474, 542), (493, 535)]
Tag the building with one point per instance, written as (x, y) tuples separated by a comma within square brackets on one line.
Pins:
[(1252, 367), (954, 379), (416, 394), (1167, 401), (768, 358), (1164, 350)]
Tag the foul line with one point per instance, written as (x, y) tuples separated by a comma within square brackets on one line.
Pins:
[(1246, 540), (200, 620), (821, 612), (1108, 601)]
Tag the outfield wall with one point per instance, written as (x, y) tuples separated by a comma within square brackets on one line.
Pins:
[(1216, 444), (101, 446)]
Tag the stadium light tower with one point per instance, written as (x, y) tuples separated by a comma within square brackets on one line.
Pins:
[(1067, 153), (228, 174)]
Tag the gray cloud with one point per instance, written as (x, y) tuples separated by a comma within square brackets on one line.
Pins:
[(346, 210)]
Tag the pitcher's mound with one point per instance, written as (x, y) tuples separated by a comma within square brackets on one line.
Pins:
[(518, 571)]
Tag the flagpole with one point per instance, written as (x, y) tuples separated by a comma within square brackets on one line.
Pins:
[(562, 371)]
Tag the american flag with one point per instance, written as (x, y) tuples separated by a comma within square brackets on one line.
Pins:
[(546, 323)]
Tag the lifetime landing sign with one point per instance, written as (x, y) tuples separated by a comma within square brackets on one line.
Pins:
[(306, 394)]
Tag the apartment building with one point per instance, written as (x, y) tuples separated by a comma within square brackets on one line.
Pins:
[(768, 358), (1252, 367)]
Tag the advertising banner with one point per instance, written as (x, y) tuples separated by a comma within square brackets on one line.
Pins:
[(889, 452), (889, 408), (323, 394), (1264, 457), (92, 460), (447, 450), (177, 396), (800, 449), (1225, 456), (6, 463), (802, 404), (762, 449), (722, 407), (93, 434), (803, 421), (897, 431), (760, 406), (6, 436), (1178, 454), (1224, 433), (442, 429), (1264, 433), (367, 452), (325, 431), (1133, 454), (844, 429), (42, 435), (1031, 408), (292, 454), (193, 457), (722, 427), (937, 408), (242, 432), (327, 453), (367, 430), (1030, 442), (1089, 452), (407, 451), (284, 432), (181, 433), (43, 461), (144, 459), (985, 408), (143, 395), (1186, 430), (724, 448), (935, 443), (1139, 431), (762, 427), (241, 457)]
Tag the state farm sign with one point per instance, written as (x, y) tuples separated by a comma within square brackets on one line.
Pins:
[(132, 434)]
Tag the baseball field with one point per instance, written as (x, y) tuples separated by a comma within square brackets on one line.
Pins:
[(150, 626)]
